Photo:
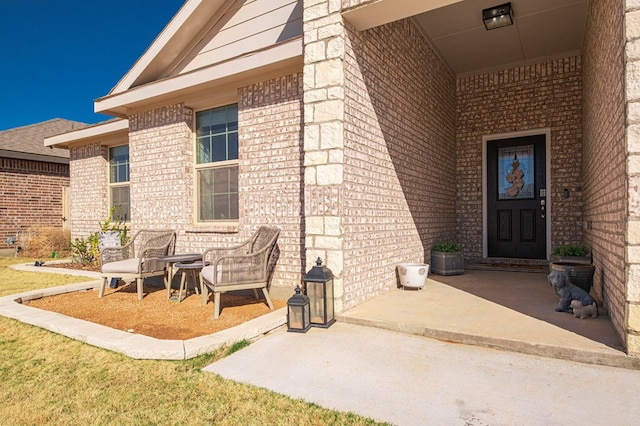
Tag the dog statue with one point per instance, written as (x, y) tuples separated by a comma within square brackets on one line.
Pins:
[(582, 312), (567, 291)]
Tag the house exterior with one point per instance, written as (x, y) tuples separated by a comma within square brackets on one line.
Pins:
[(33, 178), (340, 122)]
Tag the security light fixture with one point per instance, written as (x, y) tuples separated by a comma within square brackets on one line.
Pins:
[(497, 16)]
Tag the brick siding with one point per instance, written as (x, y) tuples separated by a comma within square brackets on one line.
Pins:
[(604, 170), (542, 95), (399, 189), (162, 173), (161, 168), (31, 195), (89, 197), (270, 130)]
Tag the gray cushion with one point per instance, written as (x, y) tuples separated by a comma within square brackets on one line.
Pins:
[(207, 271), (128, 266)]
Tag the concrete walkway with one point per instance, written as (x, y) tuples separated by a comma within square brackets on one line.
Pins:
[(405, 379), (376, 362)]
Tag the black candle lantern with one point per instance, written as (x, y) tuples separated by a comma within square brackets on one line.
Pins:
[(319, 287), (298, 312)]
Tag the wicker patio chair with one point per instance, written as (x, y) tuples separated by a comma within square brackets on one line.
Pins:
[(246, 266), (137, 259)]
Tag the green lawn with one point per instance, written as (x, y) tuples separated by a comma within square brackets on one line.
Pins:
[(50, 379)]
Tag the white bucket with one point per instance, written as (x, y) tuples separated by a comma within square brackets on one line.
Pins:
[(413, 275)]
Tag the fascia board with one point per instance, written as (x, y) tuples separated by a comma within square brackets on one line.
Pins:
[(171, 86), (34, 157), (99, 131)]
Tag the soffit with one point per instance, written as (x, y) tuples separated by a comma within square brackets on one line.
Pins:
[(541, 29)]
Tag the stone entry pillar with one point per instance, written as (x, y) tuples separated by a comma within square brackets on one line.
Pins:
[(324, 137)]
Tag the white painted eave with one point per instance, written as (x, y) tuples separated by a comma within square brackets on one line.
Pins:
[(281, 56), (384, 11), (103, 132)]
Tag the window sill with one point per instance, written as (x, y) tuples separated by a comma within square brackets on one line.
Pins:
[(222, 228)]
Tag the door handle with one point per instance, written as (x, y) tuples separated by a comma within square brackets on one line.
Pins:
[(542, 204)]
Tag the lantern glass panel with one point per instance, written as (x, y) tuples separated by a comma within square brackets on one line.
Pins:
[(298, 312), (329, 295), (317, 301), (296, 317)]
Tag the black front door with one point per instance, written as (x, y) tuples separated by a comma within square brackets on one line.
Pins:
[(516, 197)]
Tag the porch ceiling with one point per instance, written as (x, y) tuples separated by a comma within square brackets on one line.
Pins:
[(541, 29)]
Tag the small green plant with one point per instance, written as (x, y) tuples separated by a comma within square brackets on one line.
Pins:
[(237, 346), (81, 251), (446, 247), (571, 250), (87, 251)]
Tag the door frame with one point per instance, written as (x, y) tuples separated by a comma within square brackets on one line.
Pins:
[(485, 139)]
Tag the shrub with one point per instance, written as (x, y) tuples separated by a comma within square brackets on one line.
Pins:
[(45, 242), (446, 247), (87, 251)]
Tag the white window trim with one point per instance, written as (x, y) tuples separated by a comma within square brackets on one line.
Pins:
[(222, 226), (111, 185)]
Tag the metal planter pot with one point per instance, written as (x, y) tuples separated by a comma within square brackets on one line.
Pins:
[(445, 263)]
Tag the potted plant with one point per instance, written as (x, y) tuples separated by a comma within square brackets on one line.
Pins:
[(447, 259), (575, 259), (571, 253)]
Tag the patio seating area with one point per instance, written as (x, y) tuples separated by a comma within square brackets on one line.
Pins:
[(219, 269)]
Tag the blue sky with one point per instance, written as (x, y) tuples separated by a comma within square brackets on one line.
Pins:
[(58, 56)]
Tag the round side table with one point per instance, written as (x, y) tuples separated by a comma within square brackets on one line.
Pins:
[(171, 260), (189, 270)]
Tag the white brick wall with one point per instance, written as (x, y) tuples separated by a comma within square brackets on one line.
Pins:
[(88, 187)]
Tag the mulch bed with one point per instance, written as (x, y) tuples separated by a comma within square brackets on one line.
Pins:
[(155, 315)]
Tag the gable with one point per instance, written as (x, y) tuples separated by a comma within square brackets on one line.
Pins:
[(244, 28), (208, 32), (211, 45)]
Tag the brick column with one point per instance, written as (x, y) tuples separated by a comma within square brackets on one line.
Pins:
[(632, 65), (324, 137)]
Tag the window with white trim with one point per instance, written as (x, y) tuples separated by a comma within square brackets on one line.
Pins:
[(217, 164), (119, 182)]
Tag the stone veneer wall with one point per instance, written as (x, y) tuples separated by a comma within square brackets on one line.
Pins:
[(31, 195), (399, 157), (89, 179), (631, 25), (604, 170), (323, 83), (543, 95)]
